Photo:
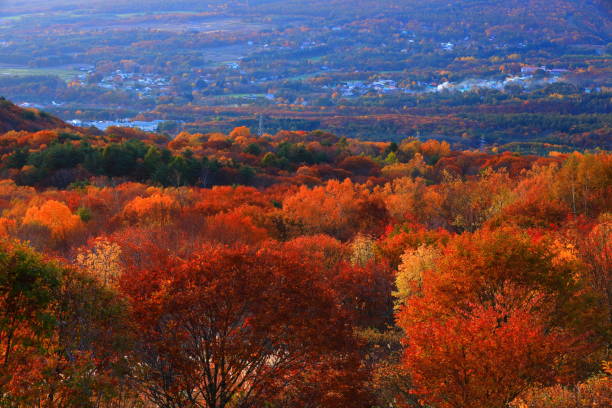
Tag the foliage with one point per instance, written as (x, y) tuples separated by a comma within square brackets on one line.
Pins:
[(102, 262), (230, 327), (499, 312), (61, 335), (56, 216), (306, 272), (594, 392)]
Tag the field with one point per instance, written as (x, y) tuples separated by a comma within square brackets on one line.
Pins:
[(65, 74)]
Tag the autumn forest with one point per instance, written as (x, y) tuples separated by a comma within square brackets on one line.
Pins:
[(299, 270), (252, 267)]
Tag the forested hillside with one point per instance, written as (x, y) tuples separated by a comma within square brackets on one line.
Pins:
[(13, 117), (300, 269), (589, 19)]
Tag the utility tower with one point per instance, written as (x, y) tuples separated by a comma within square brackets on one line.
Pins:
[(418, 131), (483, 143), (260, 130)]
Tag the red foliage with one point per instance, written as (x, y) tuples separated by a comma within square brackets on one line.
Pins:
[(499, 312), (232, 324), (365, 291), (483, 358)]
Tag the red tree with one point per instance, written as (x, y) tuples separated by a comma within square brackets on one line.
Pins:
[(499, 312), (232, 326), (486, 357)]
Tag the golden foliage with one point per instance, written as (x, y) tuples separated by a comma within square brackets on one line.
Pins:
[(156, 208), (56, 216), (362, 250), (415, 262), (103, 261)]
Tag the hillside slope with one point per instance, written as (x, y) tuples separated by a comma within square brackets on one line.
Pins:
[(13, 117), (560, 21)]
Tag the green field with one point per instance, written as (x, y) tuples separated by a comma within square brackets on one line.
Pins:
[(304, 76), (254, 95), (64, 74)]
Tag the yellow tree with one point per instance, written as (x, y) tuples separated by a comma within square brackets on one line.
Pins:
[(363, 250), (415, 262), (102, 261)]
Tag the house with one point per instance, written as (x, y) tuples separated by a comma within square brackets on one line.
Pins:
[(558, 71), (530, 70)]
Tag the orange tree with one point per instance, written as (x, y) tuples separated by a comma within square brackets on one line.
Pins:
[(498, 312)]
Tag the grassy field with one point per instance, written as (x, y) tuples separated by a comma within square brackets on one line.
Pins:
[(255, 95), (223, 55), (64, 74), (305, 76), (11, 18)]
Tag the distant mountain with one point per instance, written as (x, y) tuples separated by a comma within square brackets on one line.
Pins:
[(13, 117)]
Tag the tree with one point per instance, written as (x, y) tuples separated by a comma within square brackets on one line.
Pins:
[(534, 204), (415, 263), (101, 262), (231, 327), (157, 208), (498, 312), (319, 249), (241, 131), (59, 334), (584, 181), (595, 249), (433, 150), (364, 291), (233, 228), (468, 204), (486, 357), (360, 166), (363, 250), (338, 209), (594, 392), (56, 216), (28, 287)]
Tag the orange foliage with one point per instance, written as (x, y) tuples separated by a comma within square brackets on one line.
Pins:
[(241, 131), (226, 198), (157, 208), (337, 209), (499, 311), (319, 249), (483, 358), (56, 216), (7, 227)]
